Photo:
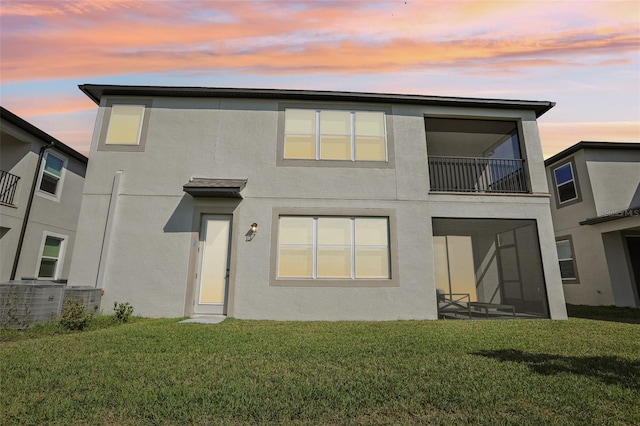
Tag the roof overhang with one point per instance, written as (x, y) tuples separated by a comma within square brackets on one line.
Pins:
[(46, 138), (96, 91), (590, 145), (216, 188), (621, 214)]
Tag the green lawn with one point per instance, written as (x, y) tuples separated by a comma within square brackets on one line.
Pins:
[(582, 371)]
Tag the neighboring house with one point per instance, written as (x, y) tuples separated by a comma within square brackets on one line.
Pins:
[(41, 182), (312, 205), (596, 216)]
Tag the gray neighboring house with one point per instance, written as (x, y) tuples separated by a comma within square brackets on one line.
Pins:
[(596, 216), (41, 182), (317, 205)]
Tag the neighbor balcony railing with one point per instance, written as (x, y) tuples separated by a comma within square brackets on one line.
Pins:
[(477, 174), (8, 184)]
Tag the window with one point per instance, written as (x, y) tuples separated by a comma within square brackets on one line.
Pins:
[(321, 134), (52, 253), (328, 247), (568, 270), (52, 175), (125, 125), (566, 185)]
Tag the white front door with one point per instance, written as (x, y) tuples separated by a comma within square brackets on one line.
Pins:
[(213, 276)]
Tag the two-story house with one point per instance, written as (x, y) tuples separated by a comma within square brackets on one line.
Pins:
[(596, 216), (41, 182), (317, 205)]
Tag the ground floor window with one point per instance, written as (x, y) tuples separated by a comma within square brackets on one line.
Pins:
[(488, 268), (568, 270), (52, 252), (333, 247)]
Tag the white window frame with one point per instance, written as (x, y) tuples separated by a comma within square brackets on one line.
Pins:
[(353, 246), (318, 134), (60, 261), (574, 279), (572, 181), (58, 195)]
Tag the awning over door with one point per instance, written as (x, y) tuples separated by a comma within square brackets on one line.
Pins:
[(218, 188)]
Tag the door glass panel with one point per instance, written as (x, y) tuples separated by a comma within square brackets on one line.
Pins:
[(509, 263), (214, 264), (440, 262), (461, 267)]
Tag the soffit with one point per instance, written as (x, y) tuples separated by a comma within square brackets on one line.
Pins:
[(97, 91), (216, 188)]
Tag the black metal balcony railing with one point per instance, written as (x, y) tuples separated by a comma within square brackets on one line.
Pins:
[(477, 174), (8, 184)]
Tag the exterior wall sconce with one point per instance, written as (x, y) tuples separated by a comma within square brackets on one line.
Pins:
[(253, 230)]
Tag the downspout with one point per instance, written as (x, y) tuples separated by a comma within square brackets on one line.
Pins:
[(27, 212)]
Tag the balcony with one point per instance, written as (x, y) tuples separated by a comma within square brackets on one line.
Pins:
[(477, 174), (8, 185), (475, 155)]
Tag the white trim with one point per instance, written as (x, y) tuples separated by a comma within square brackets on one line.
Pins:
[(60, 259), (572, 259), (58, 195), (572, 181)]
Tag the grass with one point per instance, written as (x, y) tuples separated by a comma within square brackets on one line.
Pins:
[(520, 372)]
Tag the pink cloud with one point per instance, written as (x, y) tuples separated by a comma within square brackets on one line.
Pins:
[(557, 136), (96, 55), (48, 105), (87, 39)]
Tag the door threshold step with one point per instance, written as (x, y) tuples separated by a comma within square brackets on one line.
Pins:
[(208, 319)]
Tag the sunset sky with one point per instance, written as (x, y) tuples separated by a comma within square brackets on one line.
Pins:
[(583, 55)]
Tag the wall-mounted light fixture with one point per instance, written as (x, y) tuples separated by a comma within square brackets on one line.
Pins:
[(253, 230)]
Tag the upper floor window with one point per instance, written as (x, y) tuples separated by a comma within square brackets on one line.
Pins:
[(125, 125), (51, 176), (325, 247), (321, 134), (566, 184)]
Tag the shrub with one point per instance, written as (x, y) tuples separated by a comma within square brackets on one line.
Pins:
[(122, 311), (74, 317)]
